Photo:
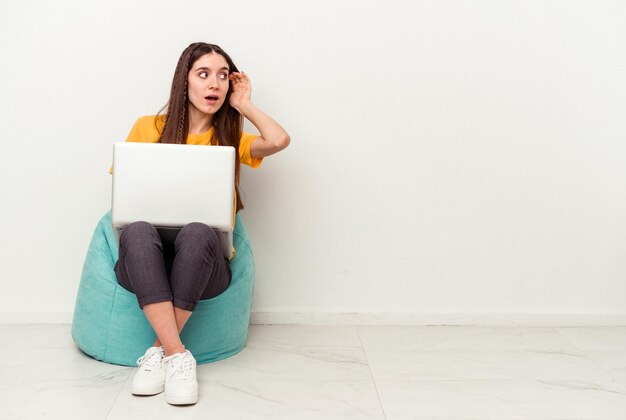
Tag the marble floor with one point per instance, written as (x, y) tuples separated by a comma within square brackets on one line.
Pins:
[(312, 372)]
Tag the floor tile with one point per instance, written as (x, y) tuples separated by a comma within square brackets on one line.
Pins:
[(429, 365), (463, 337), (296, 364), (316, 372), (611, 361), (502, 400), (260, 399), (289, 336), (596, 338), (52, 379)]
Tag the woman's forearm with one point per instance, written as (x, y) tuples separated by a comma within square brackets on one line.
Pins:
[(269, 129)]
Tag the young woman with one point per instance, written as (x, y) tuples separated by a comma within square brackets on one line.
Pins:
[(208, 100)]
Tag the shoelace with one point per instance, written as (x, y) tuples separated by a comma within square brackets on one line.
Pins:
[(180, 365), (150, 361)]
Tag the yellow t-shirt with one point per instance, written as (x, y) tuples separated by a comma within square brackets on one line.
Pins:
[(146, 131)]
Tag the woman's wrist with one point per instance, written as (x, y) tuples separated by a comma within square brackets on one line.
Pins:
[(244, 108)]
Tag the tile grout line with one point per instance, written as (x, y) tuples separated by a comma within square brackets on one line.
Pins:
[(117, 397), (371, 374)]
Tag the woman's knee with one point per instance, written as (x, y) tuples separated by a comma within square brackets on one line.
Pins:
[(197, 234), (138, 231)]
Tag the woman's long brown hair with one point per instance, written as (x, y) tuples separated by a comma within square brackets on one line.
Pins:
[(228, 122)]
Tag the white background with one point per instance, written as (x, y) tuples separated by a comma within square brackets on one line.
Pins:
[(451, 161)]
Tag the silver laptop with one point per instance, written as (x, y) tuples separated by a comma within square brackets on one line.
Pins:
[(171, 185)]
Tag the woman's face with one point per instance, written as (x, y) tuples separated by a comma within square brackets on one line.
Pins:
[(208, 83)]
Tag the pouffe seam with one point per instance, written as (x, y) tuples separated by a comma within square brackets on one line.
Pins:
[(106, 342)]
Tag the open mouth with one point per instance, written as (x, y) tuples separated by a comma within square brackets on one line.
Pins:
[(211, 98)]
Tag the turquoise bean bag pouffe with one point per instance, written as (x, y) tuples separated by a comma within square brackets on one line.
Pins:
[(109, 325)]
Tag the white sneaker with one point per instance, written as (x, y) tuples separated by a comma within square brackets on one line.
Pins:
[(181, 386), (150, 376)]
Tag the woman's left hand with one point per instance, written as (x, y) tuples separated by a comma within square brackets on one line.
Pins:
[(241, 88)]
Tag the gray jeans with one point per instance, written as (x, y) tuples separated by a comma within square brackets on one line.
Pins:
[(183, 269)]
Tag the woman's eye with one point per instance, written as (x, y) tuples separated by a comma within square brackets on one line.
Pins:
[(224, 76), (203, 74)]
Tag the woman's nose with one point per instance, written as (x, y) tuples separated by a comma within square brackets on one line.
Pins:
[(212, 81)]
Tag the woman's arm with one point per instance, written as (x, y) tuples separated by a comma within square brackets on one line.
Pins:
[(273, 137)]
